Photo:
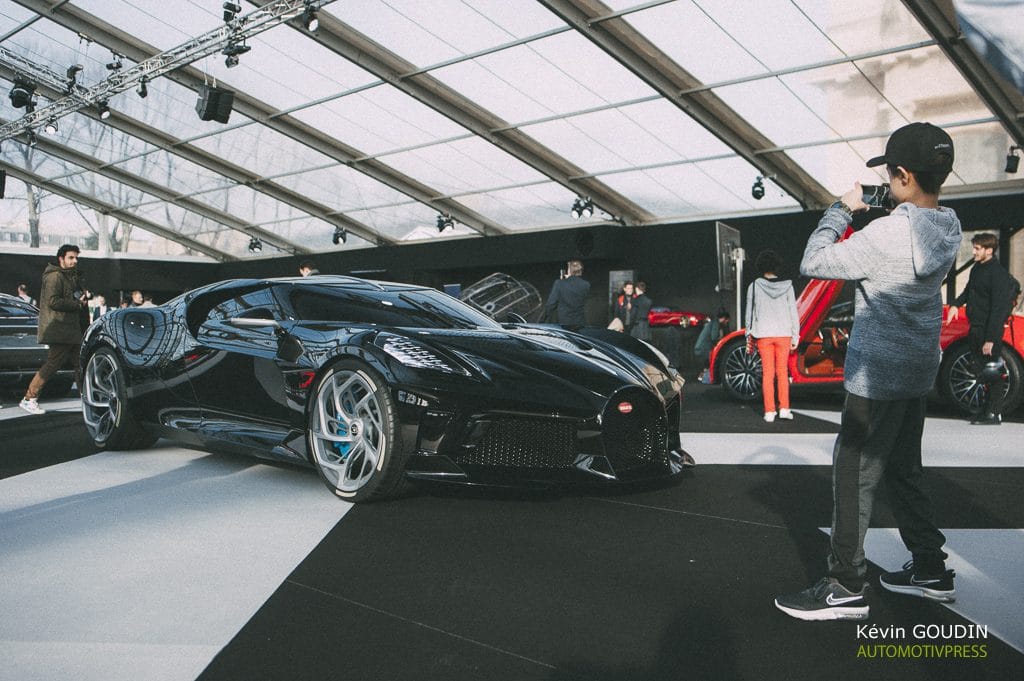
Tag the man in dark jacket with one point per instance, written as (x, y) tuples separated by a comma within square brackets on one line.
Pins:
[(988, 305), (61, 300), (568, 298), (641, 307)]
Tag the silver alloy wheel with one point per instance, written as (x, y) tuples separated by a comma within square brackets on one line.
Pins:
[(742, 372), (100, 401), (347, 431), (964, 386)]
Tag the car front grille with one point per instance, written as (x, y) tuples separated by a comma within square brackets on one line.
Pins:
[(637, 438), (523, 442)]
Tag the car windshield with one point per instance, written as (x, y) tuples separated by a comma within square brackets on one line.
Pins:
[(416, 308)]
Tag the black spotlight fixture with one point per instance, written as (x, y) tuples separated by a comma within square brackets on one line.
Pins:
[(51, 126), (757, 191), (444, 221), (142, 90), (231, 51), (255, 245), (1013, 160), (73, 76), (21, 93), (309, 18), (230, 10), (104, 108), (582, 208), (115, 63), (340, 236)]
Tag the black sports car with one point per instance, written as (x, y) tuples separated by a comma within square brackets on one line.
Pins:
[(374, 383), (20, 354)]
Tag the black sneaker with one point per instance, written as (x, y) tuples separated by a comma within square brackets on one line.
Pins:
[(937, 587), (987, 420), (826, 600)]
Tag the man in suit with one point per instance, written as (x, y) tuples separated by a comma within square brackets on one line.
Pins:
[(100, 308), (568, 298)]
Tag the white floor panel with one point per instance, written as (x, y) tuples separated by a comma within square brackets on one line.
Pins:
[(989, 575), (143, 565), (946, 442)]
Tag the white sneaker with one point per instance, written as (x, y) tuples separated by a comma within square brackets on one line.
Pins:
[(769, 416), (31, 406), (786, 414)]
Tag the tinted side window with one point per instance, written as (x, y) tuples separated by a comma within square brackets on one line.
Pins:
[(16, 311), (259, 304), (350, 307)]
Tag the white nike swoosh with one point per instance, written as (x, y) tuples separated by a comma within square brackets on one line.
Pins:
[(922, 582), (839, 601)]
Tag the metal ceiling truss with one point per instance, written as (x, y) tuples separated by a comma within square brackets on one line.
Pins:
[(346, 42), (75, 19), (939, 18), (607, 30), (108, 209), (237, 30)]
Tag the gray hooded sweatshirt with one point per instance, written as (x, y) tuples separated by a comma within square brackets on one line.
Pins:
[(898, 262), (771, 309)]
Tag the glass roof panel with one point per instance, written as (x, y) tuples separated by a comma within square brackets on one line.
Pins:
[(411, 221), (691, 190), (161, 24), (462, 166), (776, 111), (12, 16), (524, 208), (642, 134), (557, 75), (262, 150), (865, 25), (175, 173), (314, 234), (249, 205), (427, 33), (380, 119), (203, 230), (101, 141), (342, 188)]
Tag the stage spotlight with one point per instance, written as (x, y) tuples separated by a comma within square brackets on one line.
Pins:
[(309, 18), (232, 51), (757, 191), (73, 76), (581, 208), (230, 10), (444, 221), (21, 93), (255, 245), (340, 235), (51, 127), (142, 90), (115, 63), (104, 108), (1013, 160)]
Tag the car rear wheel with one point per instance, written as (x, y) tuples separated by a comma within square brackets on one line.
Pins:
[(105, 408), (740, 372), (959, 385), (353, 435)]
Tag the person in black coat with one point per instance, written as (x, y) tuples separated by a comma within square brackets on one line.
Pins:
[(641, 306), (568, 298), (988, 297)]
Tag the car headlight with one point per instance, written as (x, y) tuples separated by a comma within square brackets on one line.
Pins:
[(418, 356)]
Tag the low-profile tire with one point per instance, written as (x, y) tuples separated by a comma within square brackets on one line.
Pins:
[(353, 434), (739, 371), (959, 386), (105, 407)]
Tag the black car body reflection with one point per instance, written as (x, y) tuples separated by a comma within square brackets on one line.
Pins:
[(21, 354), (377, 383)]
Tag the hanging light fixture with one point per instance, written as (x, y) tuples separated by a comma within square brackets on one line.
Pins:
[(255, 245), (1013, 160), (51, 127), (21, 93), (309, 18), (340, 236), (104, 108), (444, 221), (757, 191), (142, 90), (581, 208)]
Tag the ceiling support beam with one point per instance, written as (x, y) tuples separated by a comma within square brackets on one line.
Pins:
[(75, 19), (939, 18), (645, 60), (410, 79), (108, 209)]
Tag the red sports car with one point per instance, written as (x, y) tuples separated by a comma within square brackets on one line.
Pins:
[(826, 316)]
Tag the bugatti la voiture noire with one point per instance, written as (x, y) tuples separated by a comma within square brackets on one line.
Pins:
[(374, 384)]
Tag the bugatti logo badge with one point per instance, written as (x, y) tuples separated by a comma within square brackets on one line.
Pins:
[(625, 407)]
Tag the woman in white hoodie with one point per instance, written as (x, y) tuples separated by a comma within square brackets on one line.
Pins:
[(773, 321)]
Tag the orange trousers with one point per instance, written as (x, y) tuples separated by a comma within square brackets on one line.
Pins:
[(774, 355)]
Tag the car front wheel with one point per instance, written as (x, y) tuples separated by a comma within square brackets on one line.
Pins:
[(740, 371), (105, 407), (353, 434)]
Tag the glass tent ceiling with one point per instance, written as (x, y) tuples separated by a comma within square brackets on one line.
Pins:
[(497, 113)]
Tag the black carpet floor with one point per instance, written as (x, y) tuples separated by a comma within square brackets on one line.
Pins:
[(666, 582)]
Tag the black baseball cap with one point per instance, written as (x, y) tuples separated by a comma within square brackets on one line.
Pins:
[(918, 147)]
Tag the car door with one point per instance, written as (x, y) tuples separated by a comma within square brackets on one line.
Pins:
[(237, 373)]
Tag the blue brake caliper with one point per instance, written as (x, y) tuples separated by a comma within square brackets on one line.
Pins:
[(341, 447)]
